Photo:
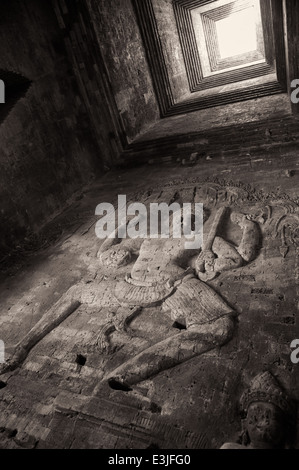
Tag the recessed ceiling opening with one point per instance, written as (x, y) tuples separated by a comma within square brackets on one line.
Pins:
[(229, 36), (228, 51), (237, 34)]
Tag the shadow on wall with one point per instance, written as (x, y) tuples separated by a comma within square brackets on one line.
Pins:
[(13, 87), (48, 148)]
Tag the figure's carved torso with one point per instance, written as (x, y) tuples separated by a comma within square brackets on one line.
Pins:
[(157, 261)]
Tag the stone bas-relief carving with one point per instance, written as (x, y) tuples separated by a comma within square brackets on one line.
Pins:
[(166, 274), (218, 256), (277, 211), (269, 416), (67, 305), (201, 391), (160, 276)]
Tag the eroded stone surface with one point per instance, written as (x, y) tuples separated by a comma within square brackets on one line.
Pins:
[(193, 396), (269, 416)]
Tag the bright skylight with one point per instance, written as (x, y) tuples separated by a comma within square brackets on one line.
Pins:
[(237, 33)]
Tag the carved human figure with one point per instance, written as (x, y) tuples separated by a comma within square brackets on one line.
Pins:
[(269, 416), (160, 275), (166, 274)]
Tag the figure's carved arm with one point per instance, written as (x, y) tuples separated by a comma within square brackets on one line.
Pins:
[(249, 245), (205, 263), (225, 256), (231, 257)]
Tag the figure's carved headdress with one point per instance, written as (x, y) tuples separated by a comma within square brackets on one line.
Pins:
[(265, 388)]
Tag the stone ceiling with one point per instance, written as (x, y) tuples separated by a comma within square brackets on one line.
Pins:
[(170, 31)]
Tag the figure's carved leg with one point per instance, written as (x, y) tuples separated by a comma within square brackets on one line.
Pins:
[(50, 320), (176, 349)]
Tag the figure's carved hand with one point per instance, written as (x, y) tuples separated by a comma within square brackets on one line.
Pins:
[(176, 279), (118, 321), (239, 219), (205, 265), (205, 261)]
